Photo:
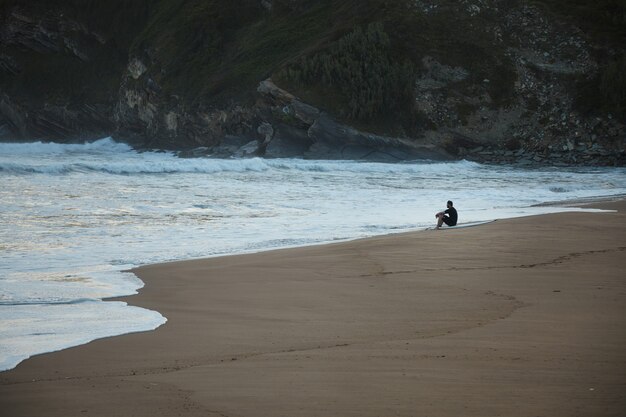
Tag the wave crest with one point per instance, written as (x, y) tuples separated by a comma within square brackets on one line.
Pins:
[(170, 164), (105, 145), (110, 157)]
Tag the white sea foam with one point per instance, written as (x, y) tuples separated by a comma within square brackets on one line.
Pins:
[(28, 330), (53, 158), (102, 146), (72, 217)]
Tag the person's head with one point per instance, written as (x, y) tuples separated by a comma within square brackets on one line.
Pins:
[(449, 203)]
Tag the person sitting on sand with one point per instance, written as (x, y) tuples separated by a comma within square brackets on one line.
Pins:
[(449, 216)]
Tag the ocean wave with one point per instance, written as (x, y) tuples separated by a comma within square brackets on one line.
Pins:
[(131, 163), (410, 167), (105, 145), (154, 165)]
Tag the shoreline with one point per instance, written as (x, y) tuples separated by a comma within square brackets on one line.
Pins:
[(365, 327), (581, 202), (572, 203)]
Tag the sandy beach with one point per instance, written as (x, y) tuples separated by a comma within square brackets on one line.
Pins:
[(521, 317)]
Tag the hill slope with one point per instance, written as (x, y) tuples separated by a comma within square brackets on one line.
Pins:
[(378, 79)]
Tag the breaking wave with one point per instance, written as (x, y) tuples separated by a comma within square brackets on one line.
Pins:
[(106, 145), (110, 157)]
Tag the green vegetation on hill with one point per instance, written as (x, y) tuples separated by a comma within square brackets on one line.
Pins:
[(367, 75), (189, 41), (613, 86), (359, 69), (355, 58), (606, 92), (214, 50)]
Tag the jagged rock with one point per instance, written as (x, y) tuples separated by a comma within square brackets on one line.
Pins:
[(5, 132), (327, 139), (136, 68), (8, 65), (438, 75), (459, 105), (229, 146), (268, 88), (288, 142), (304, 112), (13, 116), (337, 141), (171, 121), (267, 131), (250, 149)]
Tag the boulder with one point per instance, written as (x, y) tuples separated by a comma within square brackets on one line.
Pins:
[(248, 150), (305, 112), (229, 145), (267, 131), (269, 89)]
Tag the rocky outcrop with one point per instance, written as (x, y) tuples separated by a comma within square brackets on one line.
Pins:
[(294, 129), (541, 123), (42, 113), (160, 120), (53, 122), (50, 32), (470, 117), (525, 111), (291, 128), (12, 119), (304, 131), (278, 125)]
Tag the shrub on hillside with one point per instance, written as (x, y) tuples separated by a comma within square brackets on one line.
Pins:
[(613, 86), (359, 68), (605, 92)]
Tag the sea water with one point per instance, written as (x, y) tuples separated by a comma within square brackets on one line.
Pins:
[(73, 218)]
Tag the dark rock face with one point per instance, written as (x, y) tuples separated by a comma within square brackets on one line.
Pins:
[(288, 142), (464, 115), (541, 120), (12, 122), (40, 113), (307, 132), (337, 141)]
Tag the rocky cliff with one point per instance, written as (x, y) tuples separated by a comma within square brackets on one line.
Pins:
[(490, 80)]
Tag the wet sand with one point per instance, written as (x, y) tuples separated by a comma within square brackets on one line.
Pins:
[(522, 317)]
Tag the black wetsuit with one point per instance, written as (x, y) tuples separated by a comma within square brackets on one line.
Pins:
[(451, 217)]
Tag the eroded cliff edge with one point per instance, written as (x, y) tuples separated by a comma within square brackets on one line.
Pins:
[(489, 80)]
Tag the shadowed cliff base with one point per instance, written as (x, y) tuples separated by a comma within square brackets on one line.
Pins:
[(492, 80)]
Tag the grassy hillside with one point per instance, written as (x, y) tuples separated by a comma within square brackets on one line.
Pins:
[(208, 48), (366, 75), (211, 51)]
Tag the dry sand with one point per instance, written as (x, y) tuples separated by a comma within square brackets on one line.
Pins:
[(522, 317)]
